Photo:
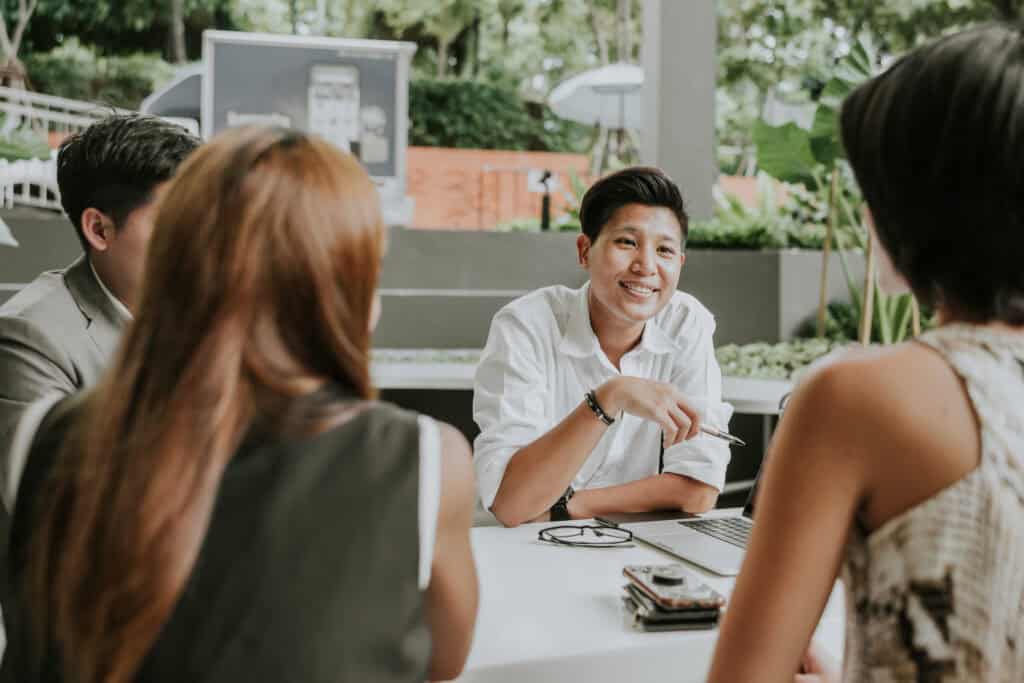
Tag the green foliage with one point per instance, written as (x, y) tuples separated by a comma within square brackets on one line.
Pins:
[(841, 320), (791, 153), (892, 317), (123, 26), (771, 361), (23, 144), (788, 47), (442, 20), (785, 152), (75, 71), (471, 114), (769, 224)]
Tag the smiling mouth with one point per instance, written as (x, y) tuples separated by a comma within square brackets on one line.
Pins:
[(638, 289)]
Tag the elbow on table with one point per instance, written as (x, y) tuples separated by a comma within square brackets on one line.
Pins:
[(697, 497), (448, 668), (699, 504), (508, 518)]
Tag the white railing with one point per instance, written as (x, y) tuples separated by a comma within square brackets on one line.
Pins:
[(31, 182), (47, 113)]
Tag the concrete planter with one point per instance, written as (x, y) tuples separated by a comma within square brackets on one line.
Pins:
[(763, 295)]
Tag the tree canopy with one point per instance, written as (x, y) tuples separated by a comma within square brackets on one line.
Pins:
[(782, 49)]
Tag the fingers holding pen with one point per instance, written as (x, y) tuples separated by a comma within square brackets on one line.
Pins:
[(683, 425), (659, 402)]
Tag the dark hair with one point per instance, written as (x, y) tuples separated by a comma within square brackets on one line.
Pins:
[(114, 164), (936, 144), (635, 185)]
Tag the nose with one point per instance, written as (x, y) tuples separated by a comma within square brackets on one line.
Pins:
[(643, 260)]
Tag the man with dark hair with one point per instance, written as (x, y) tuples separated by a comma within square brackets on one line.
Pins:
[(589, 400), (58, 333)]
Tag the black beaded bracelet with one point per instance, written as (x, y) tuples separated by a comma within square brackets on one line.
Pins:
[(596, 407)]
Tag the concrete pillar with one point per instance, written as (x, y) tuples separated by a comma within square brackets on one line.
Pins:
[(679, 49)]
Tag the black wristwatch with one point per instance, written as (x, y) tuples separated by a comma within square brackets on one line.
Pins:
[(560, 510)]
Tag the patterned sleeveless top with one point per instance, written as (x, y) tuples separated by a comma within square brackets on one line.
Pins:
[(936, 594)]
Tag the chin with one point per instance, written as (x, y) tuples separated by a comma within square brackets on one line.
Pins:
[(640, 312)]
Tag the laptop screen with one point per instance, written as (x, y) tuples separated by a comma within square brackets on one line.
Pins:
[(748, 508)]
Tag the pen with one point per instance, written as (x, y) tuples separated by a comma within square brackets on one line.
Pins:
[(725, 436)]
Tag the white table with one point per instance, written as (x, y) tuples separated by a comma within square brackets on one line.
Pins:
[(551, 613)]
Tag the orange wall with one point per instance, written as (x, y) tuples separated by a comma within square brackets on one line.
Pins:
[(476, 189)]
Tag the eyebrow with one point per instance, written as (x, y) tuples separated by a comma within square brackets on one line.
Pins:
[(633, 230)]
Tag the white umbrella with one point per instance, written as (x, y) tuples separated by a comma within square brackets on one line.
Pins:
[(611, 96)]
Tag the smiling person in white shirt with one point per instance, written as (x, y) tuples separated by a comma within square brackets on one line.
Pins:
[(577, 388)]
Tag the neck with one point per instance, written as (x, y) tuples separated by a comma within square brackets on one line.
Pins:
[(115, 283), (615, 337)]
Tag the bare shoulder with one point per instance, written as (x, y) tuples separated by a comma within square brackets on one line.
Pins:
[(891, 389), (453, 444), (457, 487), (903, 413)]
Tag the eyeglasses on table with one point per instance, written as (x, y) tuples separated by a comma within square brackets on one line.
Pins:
[(586, 536)]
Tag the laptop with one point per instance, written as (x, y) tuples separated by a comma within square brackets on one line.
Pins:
[(715, 542)]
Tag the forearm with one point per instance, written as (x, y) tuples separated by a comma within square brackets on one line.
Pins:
[(539, 473), (451, 614), (661, 492)]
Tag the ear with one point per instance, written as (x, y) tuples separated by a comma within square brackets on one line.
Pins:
[(583, 249), (682, 260), (97, 229)]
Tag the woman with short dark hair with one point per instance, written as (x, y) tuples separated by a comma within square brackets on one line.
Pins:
[(902, 468), (230, 503)]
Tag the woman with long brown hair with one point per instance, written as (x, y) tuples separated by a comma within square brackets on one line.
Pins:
[(231, 503)]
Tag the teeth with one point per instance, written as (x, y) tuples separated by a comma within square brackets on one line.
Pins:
[(639, 289)]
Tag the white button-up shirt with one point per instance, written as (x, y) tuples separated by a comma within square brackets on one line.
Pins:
[(542, 356)]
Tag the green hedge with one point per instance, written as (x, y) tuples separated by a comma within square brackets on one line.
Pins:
[(75, 71), (762, 360), (476, 115)]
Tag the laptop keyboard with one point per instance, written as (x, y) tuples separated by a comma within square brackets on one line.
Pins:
[(733, 530)]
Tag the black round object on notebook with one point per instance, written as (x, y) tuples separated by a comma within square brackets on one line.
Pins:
[(670, 575)]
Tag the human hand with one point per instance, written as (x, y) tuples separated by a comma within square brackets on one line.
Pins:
[(658, 402), (817, 666)]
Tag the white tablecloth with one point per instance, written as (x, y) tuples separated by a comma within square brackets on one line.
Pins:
[(550, 613)]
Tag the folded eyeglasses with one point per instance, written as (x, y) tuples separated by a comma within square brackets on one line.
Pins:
[(586, 536)]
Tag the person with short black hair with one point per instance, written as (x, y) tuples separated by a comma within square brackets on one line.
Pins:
[(901, 468), (59, 332), (589, 400)]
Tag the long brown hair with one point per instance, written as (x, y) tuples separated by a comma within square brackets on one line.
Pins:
[(258, 290)]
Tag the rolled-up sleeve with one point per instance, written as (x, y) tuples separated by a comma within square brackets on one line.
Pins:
[(699, 378), (510, 400)]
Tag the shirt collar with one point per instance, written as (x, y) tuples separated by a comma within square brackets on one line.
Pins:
[(656, 340), (579, 338), (121, 309)]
